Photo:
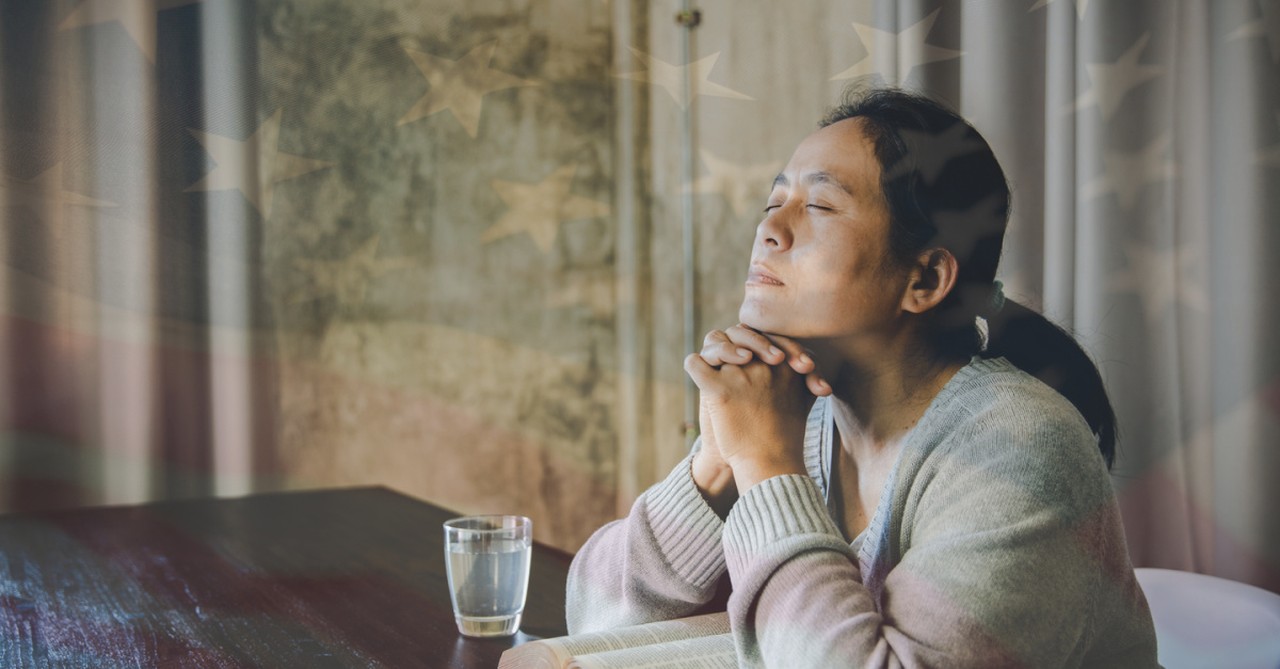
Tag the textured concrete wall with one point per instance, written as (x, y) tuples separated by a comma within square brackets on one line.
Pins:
[(440, 250)]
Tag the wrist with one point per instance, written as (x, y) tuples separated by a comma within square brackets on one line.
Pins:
[(714, 479), (747, 472)]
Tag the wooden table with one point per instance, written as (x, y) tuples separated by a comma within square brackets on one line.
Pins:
[(333, 578)]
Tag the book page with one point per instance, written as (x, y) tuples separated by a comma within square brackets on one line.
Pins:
[(554, 653), (534, 655), (708, 652), (643, 635)]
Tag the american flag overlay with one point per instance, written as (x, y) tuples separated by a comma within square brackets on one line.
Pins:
[(436, 244)]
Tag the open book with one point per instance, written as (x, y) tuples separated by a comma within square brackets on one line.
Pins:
[(699, 642)]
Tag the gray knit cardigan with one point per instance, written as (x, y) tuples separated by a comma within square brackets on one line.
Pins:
[(997, 542)]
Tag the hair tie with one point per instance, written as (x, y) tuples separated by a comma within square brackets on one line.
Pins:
[(997, 297)]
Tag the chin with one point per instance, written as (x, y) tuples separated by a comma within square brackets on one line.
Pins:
[(772, 322), (753, 317)]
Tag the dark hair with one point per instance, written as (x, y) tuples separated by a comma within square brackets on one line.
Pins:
[(945, 189)]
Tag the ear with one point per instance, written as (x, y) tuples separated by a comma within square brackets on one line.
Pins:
[(933, 275)]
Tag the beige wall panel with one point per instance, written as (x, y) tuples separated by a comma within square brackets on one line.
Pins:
[(443, 287)]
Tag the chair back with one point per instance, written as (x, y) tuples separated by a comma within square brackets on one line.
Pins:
[(1206, 621)]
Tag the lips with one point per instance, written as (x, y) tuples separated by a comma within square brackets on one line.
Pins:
[(759, 275)]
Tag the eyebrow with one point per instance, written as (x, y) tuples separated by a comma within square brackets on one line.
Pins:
[(812, 178)]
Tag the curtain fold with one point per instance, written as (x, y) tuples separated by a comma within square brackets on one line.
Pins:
[(120, 106), (131, 319), (1172, 296)]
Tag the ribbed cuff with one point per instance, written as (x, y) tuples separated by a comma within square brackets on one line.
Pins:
[(777, 510), (686, 528)]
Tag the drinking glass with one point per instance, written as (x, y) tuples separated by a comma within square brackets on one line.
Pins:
[(487, 561)]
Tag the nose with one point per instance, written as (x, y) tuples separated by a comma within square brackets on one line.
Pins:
[(774, 232)]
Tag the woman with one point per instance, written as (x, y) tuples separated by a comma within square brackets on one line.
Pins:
[(880, 483)]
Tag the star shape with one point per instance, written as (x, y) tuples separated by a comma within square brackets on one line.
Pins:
[(1159, 278), (1113, 81), (539, 209), (234, 168), (137, 17), (1270, 156), (348, 279), (1267, 25), (671, 78), (743, 185), (45, 191), (1125, 173), (896, 55), (459, 85), (1082, 6)]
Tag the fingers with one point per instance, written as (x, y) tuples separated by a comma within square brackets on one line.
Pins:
[(713, 381), (816, 384), (783, 348), (718, 349), (798, 359), (756, 342), (701, 371), (789, 349), (739, 344)]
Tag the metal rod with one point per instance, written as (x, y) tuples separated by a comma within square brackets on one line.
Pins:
[(689, 19)]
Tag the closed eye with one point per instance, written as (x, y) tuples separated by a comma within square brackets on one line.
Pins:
[(772, 207), (819, 207)]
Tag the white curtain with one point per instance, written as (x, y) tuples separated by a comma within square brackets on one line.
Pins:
[(1142, 139), (127, 308)]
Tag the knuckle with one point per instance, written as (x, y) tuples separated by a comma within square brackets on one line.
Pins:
[(748, 337), (712, 354)]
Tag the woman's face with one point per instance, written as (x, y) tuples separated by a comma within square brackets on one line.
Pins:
[(820, 266)]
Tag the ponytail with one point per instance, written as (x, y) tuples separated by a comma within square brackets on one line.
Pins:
[(1042, 349)]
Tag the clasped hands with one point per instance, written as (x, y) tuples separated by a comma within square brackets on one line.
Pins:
[(756, 392)]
